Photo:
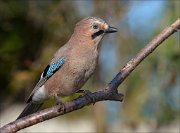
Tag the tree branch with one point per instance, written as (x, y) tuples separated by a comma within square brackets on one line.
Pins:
[(110, 92)]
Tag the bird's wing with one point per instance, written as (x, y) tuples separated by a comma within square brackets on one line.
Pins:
[(47, 73)]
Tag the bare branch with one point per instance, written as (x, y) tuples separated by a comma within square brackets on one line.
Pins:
[(108, 93)]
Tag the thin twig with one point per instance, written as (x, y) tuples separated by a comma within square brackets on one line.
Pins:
[(110, 92)]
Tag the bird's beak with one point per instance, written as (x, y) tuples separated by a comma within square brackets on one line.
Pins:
[(111, 30)]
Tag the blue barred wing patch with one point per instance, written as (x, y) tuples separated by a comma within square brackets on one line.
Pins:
[(48, 72), (52, 68)]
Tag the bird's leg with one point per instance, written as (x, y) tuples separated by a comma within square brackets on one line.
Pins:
[(87, 94), (59, 102)]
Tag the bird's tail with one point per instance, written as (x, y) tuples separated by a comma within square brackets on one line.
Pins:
[(30, 109)]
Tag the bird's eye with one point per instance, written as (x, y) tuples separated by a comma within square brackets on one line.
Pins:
[(95, 26)]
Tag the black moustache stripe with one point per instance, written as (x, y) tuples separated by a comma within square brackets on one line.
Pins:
[(97, 34)]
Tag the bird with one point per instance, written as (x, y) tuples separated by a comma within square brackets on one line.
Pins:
[(71, 66)]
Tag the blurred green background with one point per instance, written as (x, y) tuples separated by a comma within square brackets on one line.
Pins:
[(31, 31)]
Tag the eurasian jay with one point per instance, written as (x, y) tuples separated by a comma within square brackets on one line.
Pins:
[(71, 66)]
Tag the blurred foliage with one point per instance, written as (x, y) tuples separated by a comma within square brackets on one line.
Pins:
[(31, 31), (28, 29)]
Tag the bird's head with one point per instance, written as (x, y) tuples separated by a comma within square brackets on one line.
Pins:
[(93, 29)]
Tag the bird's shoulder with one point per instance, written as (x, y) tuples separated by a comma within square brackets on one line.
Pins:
[(62, 51)]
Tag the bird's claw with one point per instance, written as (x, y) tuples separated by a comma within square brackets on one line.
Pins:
[(59, 102), (83, 91), (87, 93), (62, 106)]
